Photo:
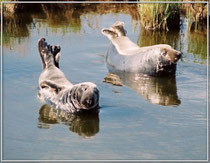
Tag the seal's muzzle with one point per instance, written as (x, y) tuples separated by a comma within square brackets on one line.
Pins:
[(90, 97), (85, 96)]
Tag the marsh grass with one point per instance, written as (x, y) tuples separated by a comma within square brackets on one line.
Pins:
[(196, 15), (157, 16)]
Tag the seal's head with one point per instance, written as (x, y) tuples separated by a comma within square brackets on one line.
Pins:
[(170, 54), (167, 60), (85, 96)]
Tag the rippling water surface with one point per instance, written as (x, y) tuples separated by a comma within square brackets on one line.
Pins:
[(140, 117)]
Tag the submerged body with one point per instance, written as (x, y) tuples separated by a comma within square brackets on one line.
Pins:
[(124, 55), (57, 91)]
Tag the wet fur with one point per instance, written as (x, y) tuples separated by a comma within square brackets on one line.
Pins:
[(57, 90), (125, 55)]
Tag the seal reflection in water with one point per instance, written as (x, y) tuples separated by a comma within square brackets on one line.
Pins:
[(57, 91), (157, 90), (85, 125), (124, 55)]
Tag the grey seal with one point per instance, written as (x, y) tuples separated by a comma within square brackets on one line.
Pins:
[(124, 55), (57, 91)]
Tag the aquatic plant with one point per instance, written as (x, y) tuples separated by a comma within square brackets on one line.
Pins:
[(196, 16), (159, 16)]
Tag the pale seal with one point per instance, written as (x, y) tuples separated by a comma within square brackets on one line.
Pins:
[(124, 55), (57, 91)]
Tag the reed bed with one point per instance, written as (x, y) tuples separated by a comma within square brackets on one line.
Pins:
[(157, 16)]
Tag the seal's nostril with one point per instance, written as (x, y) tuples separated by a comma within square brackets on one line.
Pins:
[(89, 102), (179, 54)]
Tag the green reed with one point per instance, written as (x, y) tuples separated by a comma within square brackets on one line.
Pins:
[(159, 16)]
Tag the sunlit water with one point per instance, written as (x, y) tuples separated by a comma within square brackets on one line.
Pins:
[(143, 119)]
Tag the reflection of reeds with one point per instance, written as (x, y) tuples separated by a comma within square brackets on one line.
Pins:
[(147, 38), (60, 17), (16, 27), (17, 24), (65, 18), (197, 45), (18, 18), (159, 16)]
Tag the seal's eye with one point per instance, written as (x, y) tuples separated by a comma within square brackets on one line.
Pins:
[(163, 52), (84, 88)]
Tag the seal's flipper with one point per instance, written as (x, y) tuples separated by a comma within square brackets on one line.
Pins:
[(117, 27), (46, 49), (109, 33), (56, 54), (56, 59), (118, 23), (42, 46), (54, 88)]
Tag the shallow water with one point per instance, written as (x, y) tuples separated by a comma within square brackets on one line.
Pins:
[(150, 118)]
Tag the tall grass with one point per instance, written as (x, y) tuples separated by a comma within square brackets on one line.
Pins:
[(196, 16), (159, 16)]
